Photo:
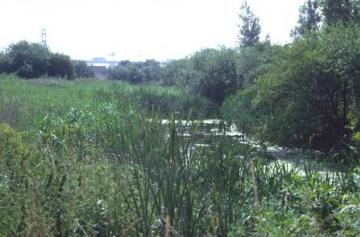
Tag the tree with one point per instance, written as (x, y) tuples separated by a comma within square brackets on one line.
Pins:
[(309, 99), (217, 74), (257, 60), (179, 72), (152, 70), (340, 11), (137, 72), (5, 63), (82, 70), (32, 60), (309, 18), (250, 28), (128, 71), (29, 60), (60, 66)]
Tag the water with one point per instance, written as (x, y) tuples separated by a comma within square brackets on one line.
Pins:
[(291, 159)]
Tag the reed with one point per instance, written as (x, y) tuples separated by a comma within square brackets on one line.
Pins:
[(94, 163)]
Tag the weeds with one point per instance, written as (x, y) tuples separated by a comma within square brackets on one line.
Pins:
[(107, 168)]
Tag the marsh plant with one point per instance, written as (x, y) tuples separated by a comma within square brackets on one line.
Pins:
[(111, 173), (97, 162)]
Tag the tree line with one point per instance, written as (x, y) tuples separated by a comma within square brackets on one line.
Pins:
[(304, 94), (308, 94), (32, 60)]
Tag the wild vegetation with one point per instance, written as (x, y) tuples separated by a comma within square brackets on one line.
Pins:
[(32, 60), (185, 148), (90, 161)]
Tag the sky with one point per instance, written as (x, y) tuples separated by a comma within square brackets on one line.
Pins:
[(139, 29)]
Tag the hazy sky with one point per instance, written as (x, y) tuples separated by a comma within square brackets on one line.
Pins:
[(139, 29)]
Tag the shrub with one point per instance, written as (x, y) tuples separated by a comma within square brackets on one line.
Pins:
[(28, 60), (60, 66), (31, 60), (82, 70)]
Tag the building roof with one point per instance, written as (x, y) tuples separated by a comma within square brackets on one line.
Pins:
[(101, 63)]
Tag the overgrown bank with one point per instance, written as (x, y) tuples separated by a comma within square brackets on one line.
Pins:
[(92, 164), (92, 158)]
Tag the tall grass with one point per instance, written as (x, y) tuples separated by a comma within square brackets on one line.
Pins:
[(101, 166), (23, 103)]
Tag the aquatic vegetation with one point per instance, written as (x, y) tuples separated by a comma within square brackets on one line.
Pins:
[(97, 167)]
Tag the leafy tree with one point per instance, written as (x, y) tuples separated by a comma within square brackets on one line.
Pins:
[(341, 47), (32, 60), (5, 63), (152, 70), (28, 60), (309, 18), (257, 60), (180, 72), (340, 11), (127, 71), (250, 28), (217, 73), (309, 98), (82, 70), (60, 66), (137, 72)]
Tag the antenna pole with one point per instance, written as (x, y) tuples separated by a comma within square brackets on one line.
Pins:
[(43, 37)]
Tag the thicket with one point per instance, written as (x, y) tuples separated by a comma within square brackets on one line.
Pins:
[(137, 72), (32, 60), (308, 95), (82, 70)]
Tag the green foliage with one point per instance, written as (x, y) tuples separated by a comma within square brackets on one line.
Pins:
[(24, 103), (137, 72), (11, 147), (13, 182), (5, 63), (28, 60), (340, 11), (250, 28), (82, 70), (306, 98), (238, 109), (105, 158), (251, 62), (309, 19), (100, 165), (217, 74), (31, 60), (209, 74), (60, 66), (180, 72)]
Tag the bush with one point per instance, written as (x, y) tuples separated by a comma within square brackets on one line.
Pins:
[(82, 70), (60, 66), (10, 144), (218, 76), (28, 60), (137, 72), (31, 60)]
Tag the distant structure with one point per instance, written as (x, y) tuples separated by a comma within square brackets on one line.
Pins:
[(43, 37), (101, 66)]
